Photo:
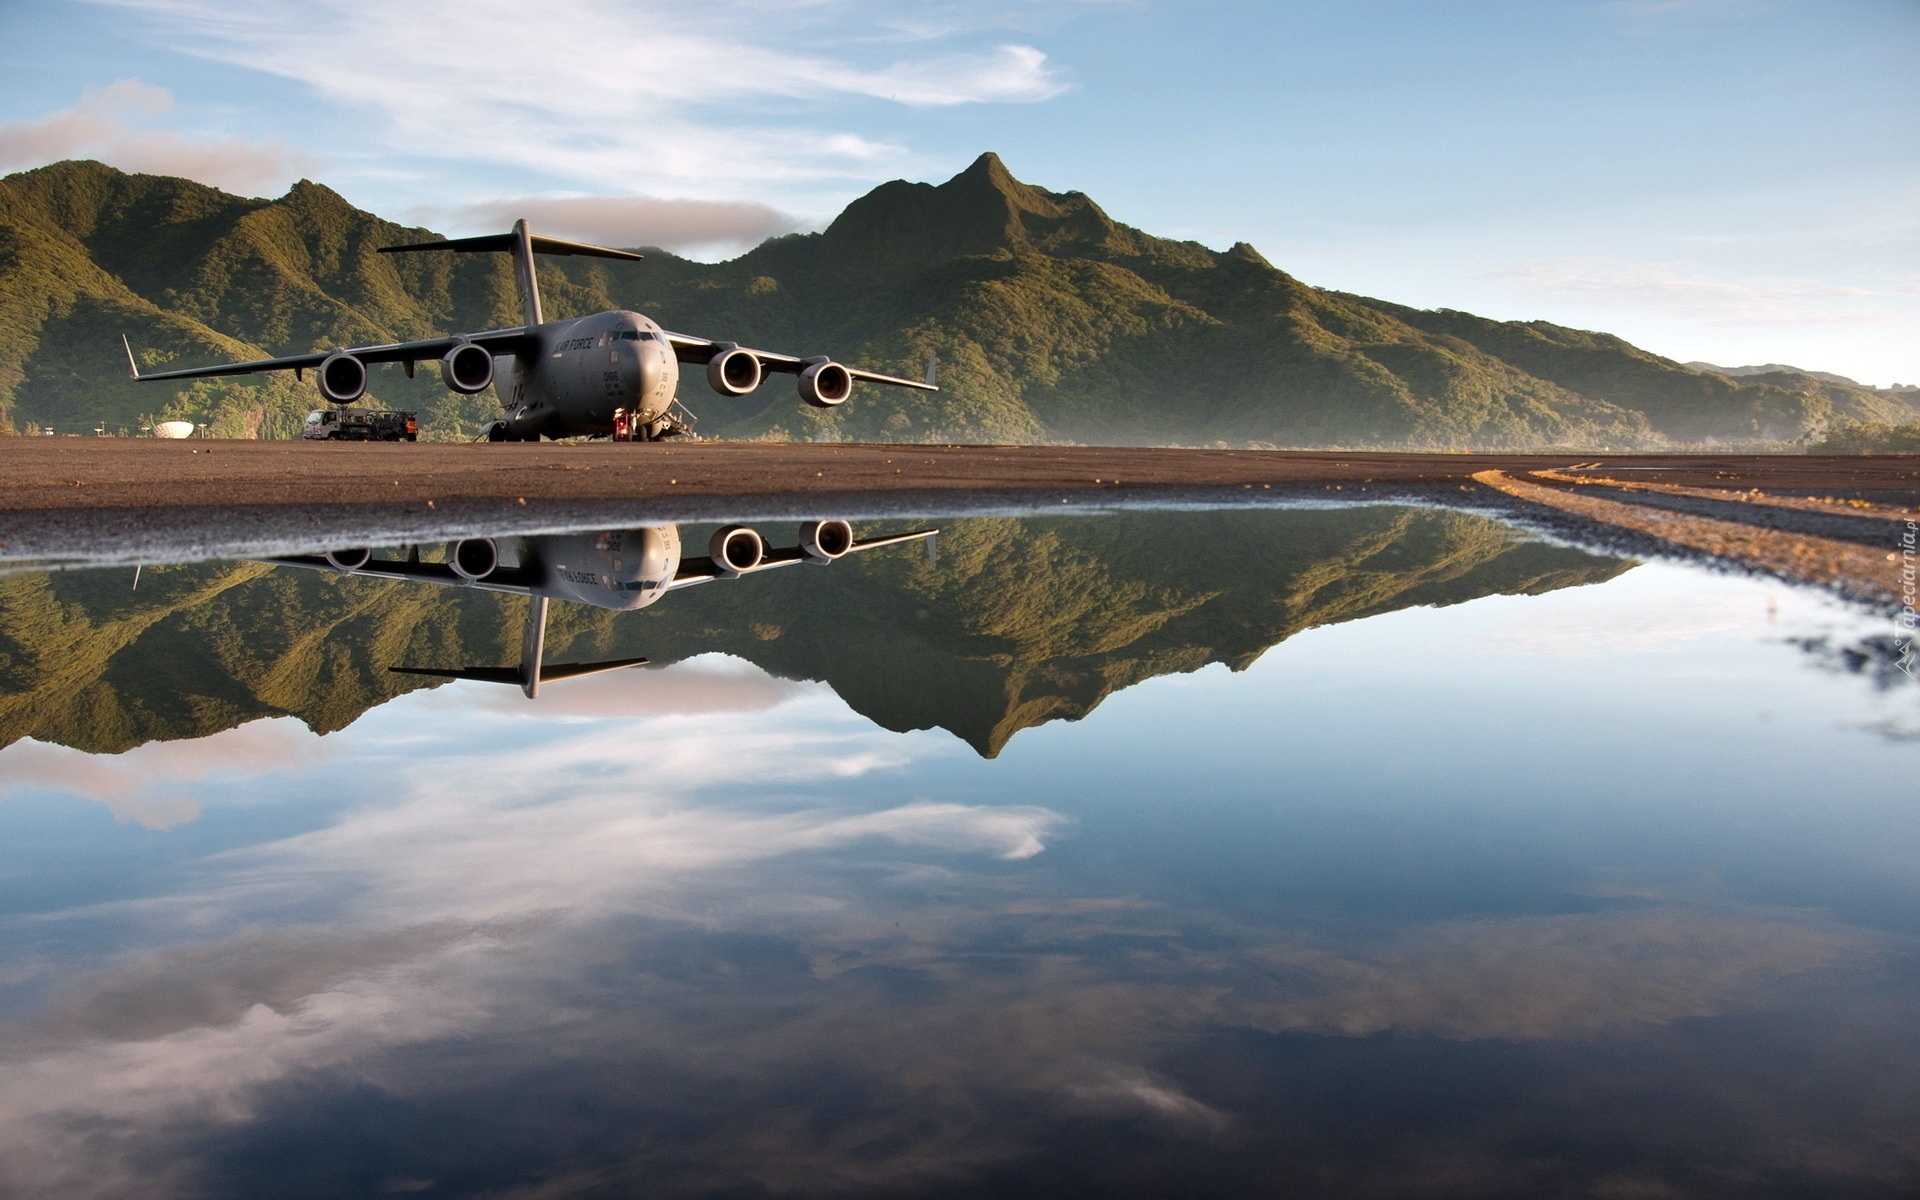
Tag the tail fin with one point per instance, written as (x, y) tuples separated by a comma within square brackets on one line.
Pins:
[(532, 671), (523, 245)]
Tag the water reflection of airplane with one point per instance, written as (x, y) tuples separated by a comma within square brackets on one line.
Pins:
[(620, 569)]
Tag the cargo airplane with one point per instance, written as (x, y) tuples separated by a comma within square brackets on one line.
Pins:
[(622, 569), (612, 374)]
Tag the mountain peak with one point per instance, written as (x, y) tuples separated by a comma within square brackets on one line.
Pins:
[(983, 210), (988, 166)]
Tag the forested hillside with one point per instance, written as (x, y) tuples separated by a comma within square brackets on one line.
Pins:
[(1051, 322)]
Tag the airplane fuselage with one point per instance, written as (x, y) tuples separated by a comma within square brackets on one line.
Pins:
[(621, 569), (586, 372)]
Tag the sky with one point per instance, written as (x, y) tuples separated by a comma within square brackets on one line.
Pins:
[(1735, 181)]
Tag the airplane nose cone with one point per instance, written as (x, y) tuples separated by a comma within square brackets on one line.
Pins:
[(657, 375)]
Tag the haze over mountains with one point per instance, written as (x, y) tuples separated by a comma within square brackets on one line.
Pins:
[(1052, 322)]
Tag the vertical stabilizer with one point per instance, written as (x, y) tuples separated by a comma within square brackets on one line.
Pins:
[(525, 277), (533, 642), (533, 670), (522, 245)]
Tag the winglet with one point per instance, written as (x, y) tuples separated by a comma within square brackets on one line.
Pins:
[(133, 367), (930, 362)]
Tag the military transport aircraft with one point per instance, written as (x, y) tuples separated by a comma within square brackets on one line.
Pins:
[(612, 374), (621, 569)]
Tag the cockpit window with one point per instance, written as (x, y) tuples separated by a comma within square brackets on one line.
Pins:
[(634, 335)]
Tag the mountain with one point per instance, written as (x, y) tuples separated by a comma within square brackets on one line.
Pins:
[(1707, 368), (1020, 622), (1749, 372), (1051, 320)]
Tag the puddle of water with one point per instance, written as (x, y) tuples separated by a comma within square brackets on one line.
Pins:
[(1373, 851)]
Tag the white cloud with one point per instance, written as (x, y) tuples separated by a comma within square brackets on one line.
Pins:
[(683, 226), (1695, 293), (112, 124), (660, 97)]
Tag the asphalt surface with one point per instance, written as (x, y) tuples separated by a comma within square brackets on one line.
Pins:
[(130, 500), (55, 475)]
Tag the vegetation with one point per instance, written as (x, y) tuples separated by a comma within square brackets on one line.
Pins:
[(1051, 322), (1869, 437), (1021, 622)]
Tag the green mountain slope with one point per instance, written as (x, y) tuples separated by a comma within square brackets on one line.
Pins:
[(1051, 322), (1020, 622)]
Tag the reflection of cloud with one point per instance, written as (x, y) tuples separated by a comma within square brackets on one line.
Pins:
[(937, 1060), (1579, 633), (657, 105), (718, 906), (709, 685), (59, 1108), (1554, 977), (1135, 1090), (597, 824), (104, 125), (195, 986), (141, 784)]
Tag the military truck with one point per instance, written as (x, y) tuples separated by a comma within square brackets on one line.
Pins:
[(360, 425)]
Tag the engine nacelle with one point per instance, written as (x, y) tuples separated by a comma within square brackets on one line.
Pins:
[(734, 372), (342, 377), (349, 561), (736, 549), (826, 384), (474, 558), (467, 369), (824, 541)]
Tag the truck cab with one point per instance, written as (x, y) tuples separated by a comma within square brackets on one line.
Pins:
[(360, 425)]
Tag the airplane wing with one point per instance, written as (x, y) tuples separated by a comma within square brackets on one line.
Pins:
[(698, 350), (704, 570), (517, 581), (498, 341)]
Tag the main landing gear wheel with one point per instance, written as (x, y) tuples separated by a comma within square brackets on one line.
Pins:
[(497, 432)]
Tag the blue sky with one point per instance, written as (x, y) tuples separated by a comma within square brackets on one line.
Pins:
[(1731, 180)]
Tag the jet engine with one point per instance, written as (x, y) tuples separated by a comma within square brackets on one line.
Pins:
[(467, 369), (474, 559), (736, 549), (342, 377), (825, 384), (824, 541), (733, 372), (349, 561)]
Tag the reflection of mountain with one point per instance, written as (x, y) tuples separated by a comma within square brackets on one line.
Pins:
[(1022, 621)]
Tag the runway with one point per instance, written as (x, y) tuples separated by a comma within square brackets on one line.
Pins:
[(98, 500)]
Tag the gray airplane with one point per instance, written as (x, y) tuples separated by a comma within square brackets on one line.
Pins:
[(622, 569), (612, 374)]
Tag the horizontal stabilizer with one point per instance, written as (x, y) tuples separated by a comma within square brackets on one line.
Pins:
[(482, 674), (503, 242), (576, 670), (511, 675)]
